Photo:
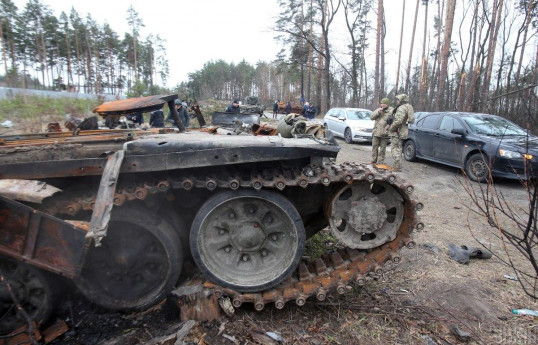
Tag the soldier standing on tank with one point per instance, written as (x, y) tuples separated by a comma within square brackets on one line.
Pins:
[(403, 114), (380, 135)]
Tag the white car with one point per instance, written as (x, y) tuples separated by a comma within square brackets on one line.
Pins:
[(352, 124)]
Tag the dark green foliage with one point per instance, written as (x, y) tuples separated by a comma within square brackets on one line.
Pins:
[(74, 53)]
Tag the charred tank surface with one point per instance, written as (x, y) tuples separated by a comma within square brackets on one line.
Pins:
[(138, 204)]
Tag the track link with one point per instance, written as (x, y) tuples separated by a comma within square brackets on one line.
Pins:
[(334, 272)]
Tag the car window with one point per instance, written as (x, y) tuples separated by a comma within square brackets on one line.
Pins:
[(448, 123), (355, 114), (331, 113), (492, 125), (341, 113), (430, 121)]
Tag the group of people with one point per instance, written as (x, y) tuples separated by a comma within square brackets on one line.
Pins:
[(156, 119), (391, 122)]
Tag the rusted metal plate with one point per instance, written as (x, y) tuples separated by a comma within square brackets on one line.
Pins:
[(105, 195), (27, 190), (132, 105), (40, 239)]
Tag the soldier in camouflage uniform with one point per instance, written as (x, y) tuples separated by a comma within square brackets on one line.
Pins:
[(380, 135), (398, 129)]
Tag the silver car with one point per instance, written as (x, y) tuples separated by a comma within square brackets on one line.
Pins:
[(352, 124)]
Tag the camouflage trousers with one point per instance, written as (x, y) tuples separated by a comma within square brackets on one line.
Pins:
[(396, 151), (379, 146)]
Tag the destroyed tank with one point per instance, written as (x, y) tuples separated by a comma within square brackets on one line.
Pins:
[(251, 106), (119, 212)]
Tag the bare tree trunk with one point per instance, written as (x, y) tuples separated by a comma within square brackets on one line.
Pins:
[(473, 78), (424, 69), (382, 59), (375, 97), (527, 24), (310, 58), (44, 47), (319, 74), (445, 52), (494, 28), (400, 50), (436, 65), (408, 74), (4, 45)]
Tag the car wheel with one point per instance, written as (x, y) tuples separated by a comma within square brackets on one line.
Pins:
[(477, 168), (347, 136), (410, 151)]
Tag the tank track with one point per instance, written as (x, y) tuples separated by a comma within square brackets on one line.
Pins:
[(333, 272)]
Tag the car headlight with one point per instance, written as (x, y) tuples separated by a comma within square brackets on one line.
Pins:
[(513, 154), (360, 129)]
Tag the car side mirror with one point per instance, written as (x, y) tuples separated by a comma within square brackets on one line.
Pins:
[(458, 131), (341, 118)]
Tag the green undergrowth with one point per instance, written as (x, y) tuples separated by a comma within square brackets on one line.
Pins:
[(29, 107), (318, 245)]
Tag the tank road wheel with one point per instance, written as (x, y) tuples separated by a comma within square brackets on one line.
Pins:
[(364, 215), (137, 264), (247, 240), (32, 291)]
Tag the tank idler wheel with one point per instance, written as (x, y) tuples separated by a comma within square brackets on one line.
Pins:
[(365, 216), (137, 263), (32, 292), (247, 240)]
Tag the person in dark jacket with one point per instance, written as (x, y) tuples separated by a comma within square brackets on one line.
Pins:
[(275, 109), (137, 118), (156, 119), (288, 108), (181, 108), (310, 112), (234, 107)]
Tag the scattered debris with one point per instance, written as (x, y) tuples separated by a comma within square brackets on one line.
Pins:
[(477, 253), (185, 329), (275, 336), (263, 338), (463, 254), (525, 312), (7, 124), (458, 254), (227, 306), (230, 338), (511, 277), (55, 331), (460, 334), (428, 340), (432, 247)]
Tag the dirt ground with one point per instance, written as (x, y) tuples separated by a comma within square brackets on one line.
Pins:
[(422, 301)]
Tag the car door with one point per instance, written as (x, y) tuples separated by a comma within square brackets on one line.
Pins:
[(426, 134), (449, 146), (341, 123), (331, 120)]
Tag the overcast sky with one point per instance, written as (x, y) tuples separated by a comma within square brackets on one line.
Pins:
[(198, 31)]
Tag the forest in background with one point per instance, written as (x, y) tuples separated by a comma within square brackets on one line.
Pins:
[(76, 54), (475, 55)]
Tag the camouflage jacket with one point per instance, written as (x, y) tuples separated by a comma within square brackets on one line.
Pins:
[(380, 116), (404, 115)]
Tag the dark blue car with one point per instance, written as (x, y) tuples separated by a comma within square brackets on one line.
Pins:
[(480, 144)]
